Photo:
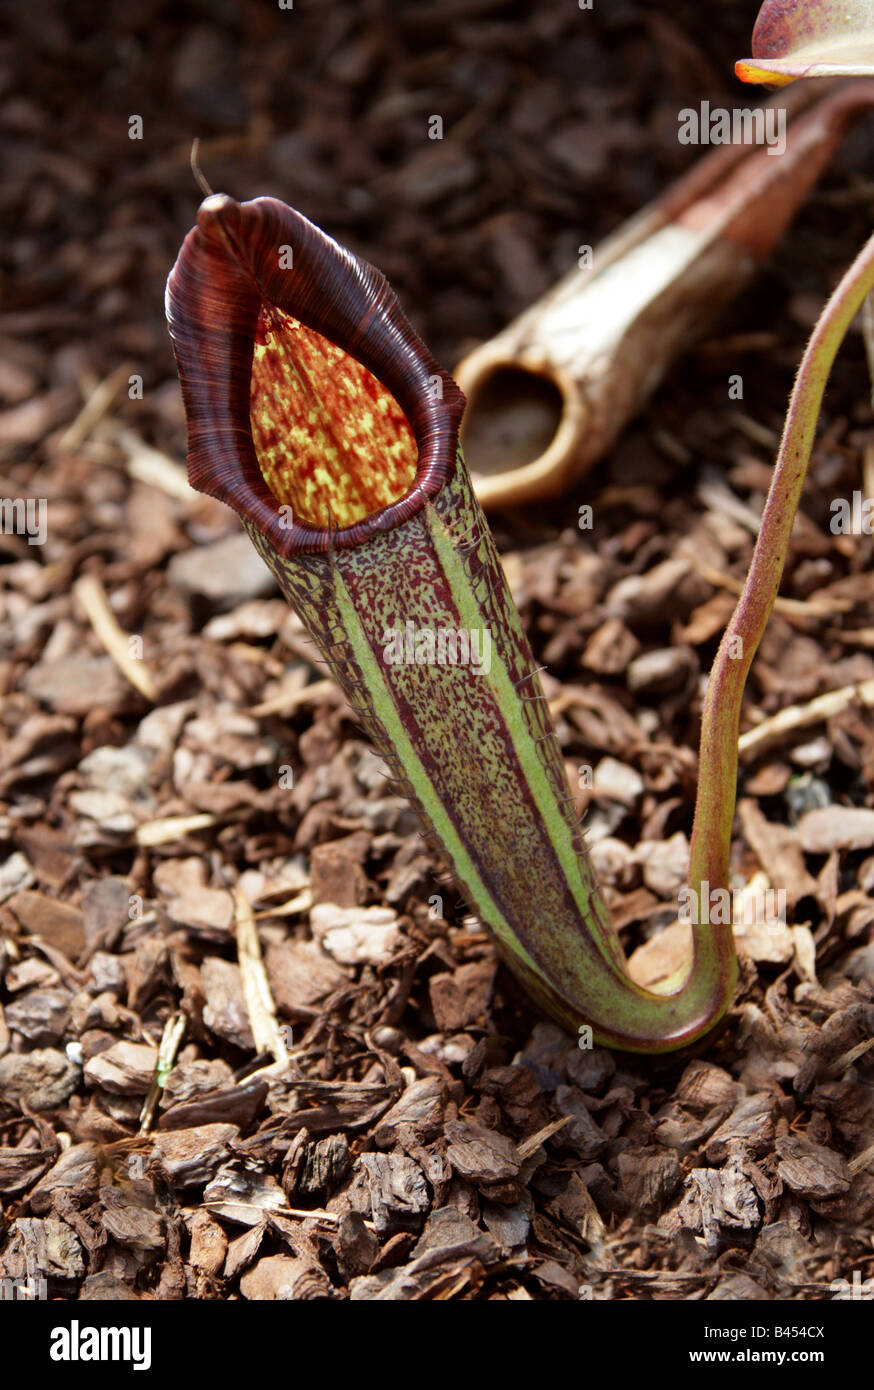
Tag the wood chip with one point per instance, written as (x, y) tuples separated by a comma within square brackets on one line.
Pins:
[(811, 1169), (125, 1069), (836, 827)]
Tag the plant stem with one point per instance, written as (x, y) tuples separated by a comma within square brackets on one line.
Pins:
[(469, 744), (720, 719)]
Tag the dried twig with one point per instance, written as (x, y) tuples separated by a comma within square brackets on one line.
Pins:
[(301, 902), (96, 405), (862, 1160), (256, 987), (286, 701), (150, 466), (800, 716), (789, 607), (166, 829), (92, 596), (534, 1141)]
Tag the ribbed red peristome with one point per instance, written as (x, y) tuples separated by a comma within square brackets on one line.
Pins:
[(229, 265)]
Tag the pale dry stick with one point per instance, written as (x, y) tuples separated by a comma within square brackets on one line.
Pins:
[(92, 596), (534, 1141), (291, 699), (718, 497), (299, 1213), (256, 988), (150, 466), (859, 637), (565, 699), (800, 716), (789, 607), (96, 405), (862, 1160), (847, 1059), (165, 829), (174, 1032), (302, 903), (758, 433)]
